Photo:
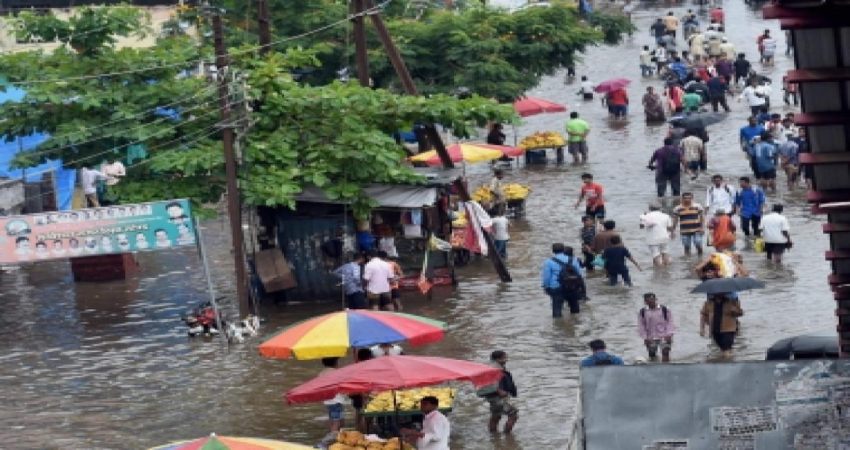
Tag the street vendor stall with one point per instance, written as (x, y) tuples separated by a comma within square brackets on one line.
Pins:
[(515, 196), (381, 409), (541, 141)]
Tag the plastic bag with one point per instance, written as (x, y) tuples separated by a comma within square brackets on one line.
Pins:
[(598, 261), (758, 245)]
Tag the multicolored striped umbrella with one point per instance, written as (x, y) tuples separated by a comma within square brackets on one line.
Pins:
[(332, 335), (213, 442)]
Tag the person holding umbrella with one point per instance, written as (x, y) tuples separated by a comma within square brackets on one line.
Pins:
[(719, 316)]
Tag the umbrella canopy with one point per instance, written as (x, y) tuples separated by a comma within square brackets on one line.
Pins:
[(806, 346), (470, 152), (612, 85), (392, 372), (529, 106), (696, 120), (213, 442), (724, 285), (331, 335)]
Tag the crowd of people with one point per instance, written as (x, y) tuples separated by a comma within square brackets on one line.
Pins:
[(698, 83)]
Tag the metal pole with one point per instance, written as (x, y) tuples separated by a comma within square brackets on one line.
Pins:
[(392, 51), (234, 210), (361, 56), (210, 287), (264, 23)]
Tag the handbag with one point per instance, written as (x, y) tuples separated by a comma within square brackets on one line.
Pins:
[(758, 245)]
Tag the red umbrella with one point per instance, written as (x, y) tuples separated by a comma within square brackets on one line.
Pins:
[(529, 106), (612, 85), (392, 372)]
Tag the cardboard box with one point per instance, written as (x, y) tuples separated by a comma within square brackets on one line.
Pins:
[(274, 271)]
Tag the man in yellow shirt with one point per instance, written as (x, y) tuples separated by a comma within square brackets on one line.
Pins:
[(672, 23)]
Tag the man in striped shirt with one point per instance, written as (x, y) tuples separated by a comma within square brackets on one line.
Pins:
[(690, 217)]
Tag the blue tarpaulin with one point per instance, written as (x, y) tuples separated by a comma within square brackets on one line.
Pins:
[(64, 178)]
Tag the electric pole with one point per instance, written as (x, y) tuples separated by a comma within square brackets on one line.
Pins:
[(264, 23), (431, 130), (234, 209), (361, 56)]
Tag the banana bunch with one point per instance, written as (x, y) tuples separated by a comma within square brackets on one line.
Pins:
[(542, 139), (515, 191), (482, 195), (460, 221), (354, 440), (408, 400)]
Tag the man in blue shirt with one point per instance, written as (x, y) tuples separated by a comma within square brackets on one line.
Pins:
[(352, 282), (764, 154), (600, 357), (679, 68), (550, 280), (752, 130), (749, 202)]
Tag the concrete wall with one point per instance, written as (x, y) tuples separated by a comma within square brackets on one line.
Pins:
[(11, 196), (158, 16)]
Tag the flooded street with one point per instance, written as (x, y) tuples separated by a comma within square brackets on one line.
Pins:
[(108, 365)]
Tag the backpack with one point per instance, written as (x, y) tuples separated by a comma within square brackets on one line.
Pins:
[(663, 313), (725, 188), (672, 163), (569, 278)]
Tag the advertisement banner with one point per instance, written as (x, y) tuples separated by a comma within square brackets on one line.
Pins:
[(96, 231)]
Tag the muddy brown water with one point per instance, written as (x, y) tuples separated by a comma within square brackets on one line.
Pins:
[(108, 365)]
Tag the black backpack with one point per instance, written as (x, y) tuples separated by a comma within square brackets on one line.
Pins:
[(569, 278), (672, 163), (663, 313)]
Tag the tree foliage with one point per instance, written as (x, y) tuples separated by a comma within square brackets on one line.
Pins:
[(337, 136)]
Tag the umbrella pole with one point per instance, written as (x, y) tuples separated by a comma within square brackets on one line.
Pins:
[(396, 420)]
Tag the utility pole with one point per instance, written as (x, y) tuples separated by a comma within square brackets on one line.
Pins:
[(264, 23), (410, 88), (361, 56), (234, 209)]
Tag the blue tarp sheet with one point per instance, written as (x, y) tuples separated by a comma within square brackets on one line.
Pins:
[(65, 178)]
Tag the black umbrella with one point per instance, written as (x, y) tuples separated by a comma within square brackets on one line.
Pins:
[(696, 120), (724, 285), (805, 346)]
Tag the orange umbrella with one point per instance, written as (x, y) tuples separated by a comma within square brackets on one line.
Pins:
[(529, 106)]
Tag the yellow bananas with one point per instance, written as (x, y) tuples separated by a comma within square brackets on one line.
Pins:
[(408, 400), (515, 191), (542, 139)]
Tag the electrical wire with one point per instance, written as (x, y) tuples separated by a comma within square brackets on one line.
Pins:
[(112, 150), (363, 13), (104, 136)]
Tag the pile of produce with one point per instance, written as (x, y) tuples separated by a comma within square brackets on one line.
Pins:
[(355, 440), (542, 139), (460, 220), (408, 400), (513, 191)]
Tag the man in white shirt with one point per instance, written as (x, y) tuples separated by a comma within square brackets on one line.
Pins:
[(500, 232), (377, 273), (719, 196), (435, 427), (776, 233), (586, 88), (88, 180), (658, 226), (754, 96)]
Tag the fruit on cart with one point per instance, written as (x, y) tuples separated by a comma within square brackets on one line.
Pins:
[(408, 400), (516, 191), (345, 439), (482, 195), (542, 139), (460, 221)]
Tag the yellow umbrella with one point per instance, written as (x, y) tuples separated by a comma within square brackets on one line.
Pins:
[(470, 153)]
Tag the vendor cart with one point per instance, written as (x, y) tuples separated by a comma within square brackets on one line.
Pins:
[(543, 140), (381, 416), (516, 207)]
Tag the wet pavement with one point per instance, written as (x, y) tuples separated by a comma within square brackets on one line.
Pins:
[(108, 365)]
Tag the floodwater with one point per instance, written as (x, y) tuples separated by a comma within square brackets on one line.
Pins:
[(109, 366)]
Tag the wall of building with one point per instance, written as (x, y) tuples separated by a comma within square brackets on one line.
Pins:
[(159, 15), (11, 196)]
